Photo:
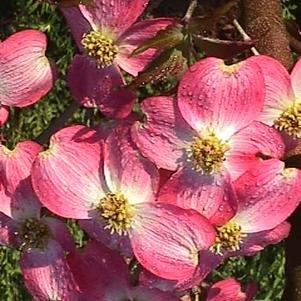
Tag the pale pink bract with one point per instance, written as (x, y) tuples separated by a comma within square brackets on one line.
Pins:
[(230, 290), (3, 115), (26, 73), (109, 277)]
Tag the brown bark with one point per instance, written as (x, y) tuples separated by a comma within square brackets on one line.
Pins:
[(263, 21)]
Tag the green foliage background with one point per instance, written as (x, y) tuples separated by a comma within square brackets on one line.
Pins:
[(265, 268)]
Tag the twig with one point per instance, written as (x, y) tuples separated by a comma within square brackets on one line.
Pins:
[(190, 10), (244, 35), (57, 123)]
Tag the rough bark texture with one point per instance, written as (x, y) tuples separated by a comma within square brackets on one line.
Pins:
[(263, 21)]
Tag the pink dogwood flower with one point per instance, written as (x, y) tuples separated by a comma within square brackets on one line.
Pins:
[(26, 73), (108, 278), (267, 194), (42, 240), (207, 136), (106, 32), (112, 189), (230, 290), (282, 106)]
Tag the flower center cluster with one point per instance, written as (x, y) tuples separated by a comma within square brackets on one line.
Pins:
[(34, 234), (207, 154), (290, 121), (100, 47), (116, 212), (229, 238)]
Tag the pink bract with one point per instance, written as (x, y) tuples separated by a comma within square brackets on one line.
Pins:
[(15, 168), (100, 88), (280, 93), (72, 177), (47, 275), (3, 115), (41, 239), (230, 290), (213, 99), (108, 277), (268, 194), (26, 74)]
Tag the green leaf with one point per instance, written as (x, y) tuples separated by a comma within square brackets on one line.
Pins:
[(171, 62), (166, 38)]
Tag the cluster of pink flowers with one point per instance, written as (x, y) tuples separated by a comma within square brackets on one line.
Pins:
[(199, 178)]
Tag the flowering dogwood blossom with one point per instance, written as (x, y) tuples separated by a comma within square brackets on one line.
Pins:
[(207, 135), (266, 196), (112, 189), (26, 73), (282, 105), (41, 239), (105, 32)]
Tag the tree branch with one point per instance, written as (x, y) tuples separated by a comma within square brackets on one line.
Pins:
[(263, 22)]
